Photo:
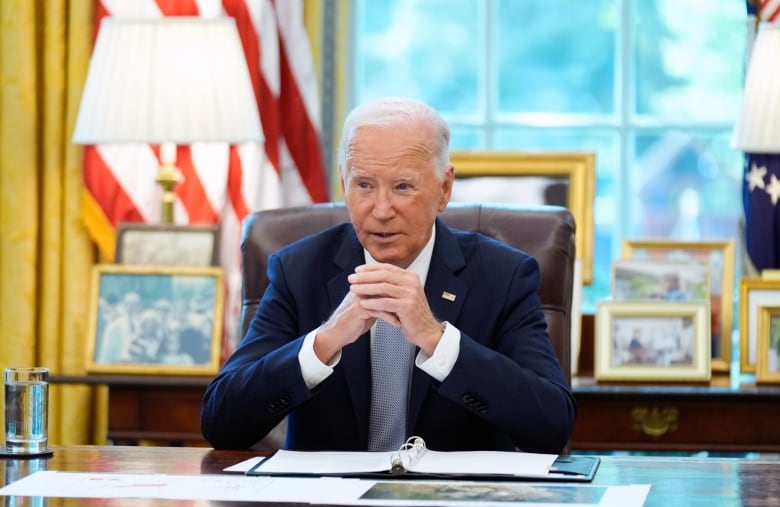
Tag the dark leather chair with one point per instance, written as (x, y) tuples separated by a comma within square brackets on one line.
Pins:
[(545, 232)]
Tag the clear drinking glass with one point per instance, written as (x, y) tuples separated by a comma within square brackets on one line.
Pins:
[(26, 410)]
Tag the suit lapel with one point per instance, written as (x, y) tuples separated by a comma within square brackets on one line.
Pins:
[(445, 293), (355, 358)]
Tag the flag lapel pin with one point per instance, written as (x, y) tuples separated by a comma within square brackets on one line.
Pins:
[(449, 296)]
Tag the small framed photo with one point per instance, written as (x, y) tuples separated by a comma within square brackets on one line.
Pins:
[(660, 280), (653, 342), (155, 320), (753, 293), (720, 256), (768, 360), (167, 244)]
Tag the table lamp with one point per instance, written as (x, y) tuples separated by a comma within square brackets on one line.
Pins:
[(167, 81), (757, 133)]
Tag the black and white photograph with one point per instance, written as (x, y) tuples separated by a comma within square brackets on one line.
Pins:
[(155, 320)]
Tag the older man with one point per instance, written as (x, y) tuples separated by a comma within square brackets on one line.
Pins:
[(453, 316)]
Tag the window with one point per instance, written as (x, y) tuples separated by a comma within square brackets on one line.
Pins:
[(650, 86)]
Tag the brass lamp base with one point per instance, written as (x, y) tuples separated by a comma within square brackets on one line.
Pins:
[(168, 177)]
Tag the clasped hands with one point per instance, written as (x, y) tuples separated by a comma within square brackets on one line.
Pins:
[(380, 291)]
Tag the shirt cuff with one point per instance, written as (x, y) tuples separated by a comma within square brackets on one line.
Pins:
[(313, 370), (440, 364)]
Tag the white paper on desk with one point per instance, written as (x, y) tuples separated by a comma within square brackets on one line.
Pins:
[(166, 486), (334, 491), (484, 462), (326, 462), (429, 462), (244, 466)]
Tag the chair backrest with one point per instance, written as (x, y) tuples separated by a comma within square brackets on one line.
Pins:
[(545, 232)]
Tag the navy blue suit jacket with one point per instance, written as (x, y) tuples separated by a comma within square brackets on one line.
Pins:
[(506, 389)]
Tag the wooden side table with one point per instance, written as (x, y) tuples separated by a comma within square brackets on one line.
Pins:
[(157, 409), (717, 417)]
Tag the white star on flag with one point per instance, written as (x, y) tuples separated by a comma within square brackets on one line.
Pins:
[(773, 189), (755, 177)]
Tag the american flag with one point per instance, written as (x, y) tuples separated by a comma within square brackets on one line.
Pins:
[(765, 10), (761, 182), (222, 183)]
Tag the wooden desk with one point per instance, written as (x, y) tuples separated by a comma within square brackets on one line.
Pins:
[(674, 481)]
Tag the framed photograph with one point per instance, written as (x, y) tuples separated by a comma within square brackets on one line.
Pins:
[(653, 342), (167, 245), (753, 293), (768, 359), (559, 178), (721, 258), (660, 280), (155, 320)]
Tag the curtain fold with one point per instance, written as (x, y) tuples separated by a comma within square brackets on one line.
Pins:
[(45, 253)]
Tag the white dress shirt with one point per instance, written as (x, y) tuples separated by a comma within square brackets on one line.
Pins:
[(438, 365)]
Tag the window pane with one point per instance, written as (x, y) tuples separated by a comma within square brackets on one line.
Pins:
[(427, 49), (556, 56), (466, 138), (687, 186), (689, 58), (605, 144)]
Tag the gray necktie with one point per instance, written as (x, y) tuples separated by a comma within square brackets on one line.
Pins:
[(391, 361)]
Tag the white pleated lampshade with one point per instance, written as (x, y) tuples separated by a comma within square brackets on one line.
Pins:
[(758, 125), (168, 80)]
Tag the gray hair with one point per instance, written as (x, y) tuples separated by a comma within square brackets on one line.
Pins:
[(395, 111)]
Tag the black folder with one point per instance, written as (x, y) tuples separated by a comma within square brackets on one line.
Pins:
[(409, 463)]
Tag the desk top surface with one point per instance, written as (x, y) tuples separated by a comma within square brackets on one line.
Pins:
[(673, 480)]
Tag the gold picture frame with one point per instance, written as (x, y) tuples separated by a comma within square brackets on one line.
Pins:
[(564, 178), (156, 320), (768, 359), (652, 342), (660, 280), (721, 256), (167, 244), (753, 293)]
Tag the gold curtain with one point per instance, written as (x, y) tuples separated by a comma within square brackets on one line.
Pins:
[(328, 25), (45, 253)]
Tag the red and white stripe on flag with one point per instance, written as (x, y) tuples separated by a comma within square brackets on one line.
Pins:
[(768, 10), (222, 183)]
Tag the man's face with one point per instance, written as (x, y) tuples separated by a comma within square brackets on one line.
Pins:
[(393, 191)]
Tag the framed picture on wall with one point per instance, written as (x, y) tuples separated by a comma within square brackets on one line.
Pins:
[(565, 179), (720, 256), (652, 342), (167, 244), (155, 320)]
